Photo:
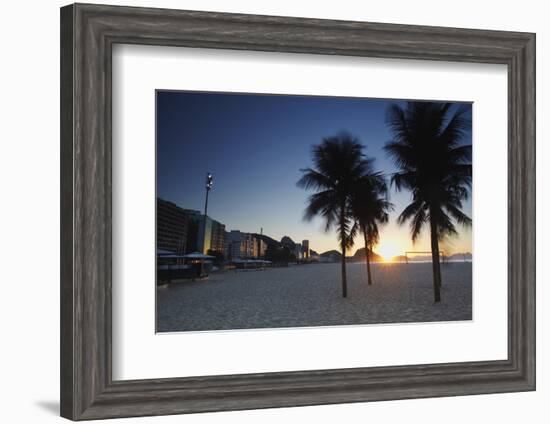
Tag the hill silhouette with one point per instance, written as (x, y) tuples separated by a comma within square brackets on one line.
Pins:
[(375, 257)]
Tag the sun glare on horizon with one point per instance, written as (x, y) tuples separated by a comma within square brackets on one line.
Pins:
[(389, 249)]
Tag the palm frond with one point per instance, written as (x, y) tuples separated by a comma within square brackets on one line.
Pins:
[(456, 128), (418, 221), (458, 215), (461, 154), (312, 179), (410, 211), (404, 180), (434, 164)]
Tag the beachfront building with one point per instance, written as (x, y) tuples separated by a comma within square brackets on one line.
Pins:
[(305, 249), (211, 236), (217, 241), (298, 251), (239, 245), (244, 245), (176, 227), (171, 227), (262, 248)]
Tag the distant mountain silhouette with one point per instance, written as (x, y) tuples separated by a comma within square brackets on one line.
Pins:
[(419, 258), (334, 254), (465, 256), (288, 242), (267, 240), (360, 254)]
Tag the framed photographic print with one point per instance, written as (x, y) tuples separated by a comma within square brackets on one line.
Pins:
[(263, 211)]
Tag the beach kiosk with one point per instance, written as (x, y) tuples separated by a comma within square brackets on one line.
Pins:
[(171, 267), (200, 263)]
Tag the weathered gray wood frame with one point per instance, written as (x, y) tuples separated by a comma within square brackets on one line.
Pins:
[(88, 33)]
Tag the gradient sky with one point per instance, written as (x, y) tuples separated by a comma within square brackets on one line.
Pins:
[(255, 146)]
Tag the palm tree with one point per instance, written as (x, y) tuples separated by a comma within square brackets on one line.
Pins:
[(338, 164), (435, 166), (370, 208)]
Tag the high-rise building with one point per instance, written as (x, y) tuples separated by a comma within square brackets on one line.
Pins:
[(211, 236), (244, 245), (262, 247), (176, 227), (236, 247), (204, 236), (298, 251), (217, 240), (305, 248)]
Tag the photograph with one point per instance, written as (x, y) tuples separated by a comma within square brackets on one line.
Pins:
[(284, 211)]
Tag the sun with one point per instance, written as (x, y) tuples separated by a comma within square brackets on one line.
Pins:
[(388, 250)]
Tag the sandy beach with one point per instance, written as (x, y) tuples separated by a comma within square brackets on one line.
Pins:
[(310, 295)]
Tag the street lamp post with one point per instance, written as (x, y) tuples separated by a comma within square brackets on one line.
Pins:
[(209, 183)]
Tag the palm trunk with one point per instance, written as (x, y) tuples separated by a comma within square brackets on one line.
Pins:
[(439, 268), (343, 245), (367, 256), (435, 261)]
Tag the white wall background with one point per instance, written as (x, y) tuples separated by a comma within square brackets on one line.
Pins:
[(29, 216)]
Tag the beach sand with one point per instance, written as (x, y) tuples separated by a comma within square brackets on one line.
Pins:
[(311, 295)]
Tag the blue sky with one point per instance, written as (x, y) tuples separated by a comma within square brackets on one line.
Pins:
[(255, 146)]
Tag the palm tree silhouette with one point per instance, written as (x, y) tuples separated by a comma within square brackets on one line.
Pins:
[(338, 164), (434, 166), (370, 207)]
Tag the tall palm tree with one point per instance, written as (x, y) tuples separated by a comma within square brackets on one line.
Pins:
[(338, 163), (370, 208), (434, 164)]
